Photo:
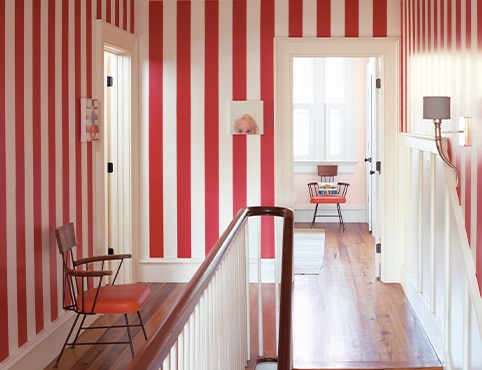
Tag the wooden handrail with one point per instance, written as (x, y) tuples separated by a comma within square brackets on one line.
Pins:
[(158, 346)]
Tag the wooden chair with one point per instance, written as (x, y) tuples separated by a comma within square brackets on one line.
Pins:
[(87, 292), (328, 174)]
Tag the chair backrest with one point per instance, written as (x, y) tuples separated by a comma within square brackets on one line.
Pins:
[(65, 235), (327, 172)]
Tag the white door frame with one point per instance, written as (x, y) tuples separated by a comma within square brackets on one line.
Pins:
[(108, 37), (387, 51)]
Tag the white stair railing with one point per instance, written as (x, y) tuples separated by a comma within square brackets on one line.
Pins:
[(209, 327)]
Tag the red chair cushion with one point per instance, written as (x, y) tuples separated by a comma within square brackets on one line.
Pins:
[(328, 199), (123, 298)]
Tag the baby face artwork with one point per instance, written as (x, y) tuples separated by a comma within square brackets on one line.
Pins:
[(245, 125)]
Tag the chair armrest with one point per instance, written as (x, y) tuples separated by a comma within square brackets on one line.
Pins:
[(83, 273), (107, 257), (343, 188)]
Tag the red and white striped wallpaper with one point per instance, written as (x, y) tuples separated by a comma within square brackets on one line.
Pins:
[(202, 55), (442, 55), (45, 172)]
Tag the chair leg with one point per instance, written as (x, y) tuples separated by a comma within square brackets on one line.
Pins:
[(340, 216), (129, 334), (314, 216), (67, 340), (142, 324)]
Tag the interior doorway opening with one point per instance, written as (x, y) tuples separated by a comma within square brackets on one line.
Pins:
[(386, 52), (115, 164)]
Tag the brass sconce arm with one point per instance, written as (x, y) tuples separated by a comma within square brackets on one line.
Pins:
[(438, 142)]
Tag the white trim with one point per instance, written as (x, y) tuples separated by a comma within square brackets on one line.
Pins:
[(350, 214), (387, 51), (182, 270), (423, 312)]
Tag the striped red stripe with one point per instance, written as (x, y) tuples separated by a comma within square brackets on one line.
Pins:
[(37, 171), (479, 31), (468, 24), (4, 349), (116, 14), (132, 17), (418, 27), (267, 139), (379, 18), (429, 26), (20, 175), (108, 11), (352, 14), (156, 170), (239, 93), (458, 24), (99, 10), (124, 14), (449, 24), (78, 145), (296, 18), (65, 116), (323, 18), (88, 73), (211, 124), (436, 22), (183, 139), (53, 254)]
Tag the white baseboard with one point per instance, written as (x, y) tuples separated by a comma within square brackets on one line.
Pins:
[(163, 270), (427, 319), (182, 270), (350, 214), (44, 347)]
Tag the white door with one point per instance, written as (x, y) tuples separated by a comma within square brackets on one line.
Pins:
[(370, 148), (118, 153), (371, 159)]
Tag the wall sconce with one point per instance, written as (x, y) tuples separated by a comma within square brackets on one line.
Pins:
[(438, 108)]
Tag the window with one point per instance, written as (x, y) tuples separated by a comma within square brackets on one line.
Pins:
[(323, 112)]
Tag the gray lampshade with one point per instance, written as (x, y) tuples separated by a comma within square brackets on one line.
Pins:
[(436, 107)]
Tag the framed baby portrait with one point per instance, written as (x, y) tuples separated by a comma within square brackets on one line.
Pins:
[(246, 117), (89, 119)]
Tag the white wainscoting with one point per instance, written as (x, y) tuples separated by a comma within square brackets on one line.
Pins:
[(437, 265)]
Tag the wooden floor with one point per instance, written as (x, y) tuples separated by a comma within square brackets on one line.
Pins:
[(343, 318)]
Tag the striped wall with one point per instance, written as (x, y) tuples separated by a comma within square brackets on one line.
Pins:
[(442, 55), (45, 172), (202, 55)]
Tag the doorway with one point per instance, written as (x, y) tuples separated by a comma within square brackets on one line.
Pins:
[(115, 158), (386, 51), (331, 125)]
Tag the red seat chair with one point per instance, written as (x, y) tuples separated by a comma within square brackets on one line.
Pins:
[(327, 174), (87, 291)]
